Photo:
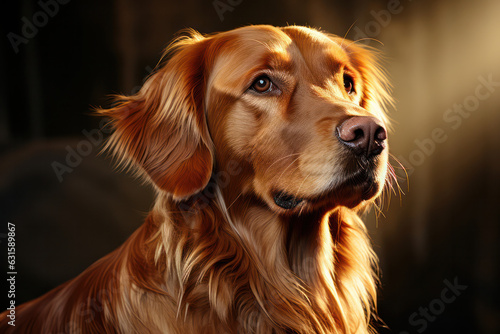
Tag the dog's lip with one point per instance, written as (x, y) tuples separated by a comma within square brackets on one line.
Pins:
[(357, 187), (286, 201), (363, 182)]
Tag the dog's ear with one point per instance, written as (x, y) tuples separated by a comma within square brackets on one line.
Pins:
[(162, 129), (368, 62)]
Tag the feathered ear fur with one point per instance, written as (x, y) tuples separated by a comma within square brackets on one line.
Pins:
[(162, 129)]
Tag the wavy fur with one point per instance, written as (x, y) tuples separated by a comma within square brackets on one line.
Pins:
[(213, 256)]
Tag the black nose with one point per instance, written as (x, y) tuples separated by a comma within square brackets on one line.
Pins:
[(365, 135)]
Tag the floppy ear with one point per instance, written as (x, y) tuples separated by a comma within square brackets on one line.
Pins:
[(376, 86), (162, 129)]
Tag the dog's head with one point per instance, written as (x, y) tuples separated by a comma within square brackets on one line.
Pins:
[(298, 113)]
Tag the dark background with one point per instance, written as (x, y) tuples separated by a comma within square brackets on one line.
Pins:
[(444, 230)]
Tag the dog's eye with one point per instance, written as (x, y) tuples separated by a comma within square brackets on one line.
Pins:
[(348, 84), (262, 84)]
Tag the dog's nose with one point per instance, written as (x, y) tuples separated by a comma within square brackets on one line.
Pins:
[(364, 134)]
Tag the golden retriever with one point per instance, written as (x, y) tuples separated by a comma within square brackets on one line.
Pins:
[(263, 144)]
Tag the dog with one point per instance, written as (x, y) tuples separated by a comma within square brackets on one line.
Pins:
[(264, 145)]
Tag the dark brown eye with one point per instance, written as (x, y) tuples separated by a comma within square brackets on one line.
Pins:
[(348, 84), (262, 84)]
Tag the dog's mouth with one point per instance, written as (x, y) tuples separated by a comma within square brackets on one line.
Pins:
[(354, 189), (286, 201)]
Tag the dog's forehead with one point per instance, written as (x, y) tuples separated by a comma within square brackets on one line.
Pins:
[(247, 50), (316, 47), (293, 43), (255, 44)]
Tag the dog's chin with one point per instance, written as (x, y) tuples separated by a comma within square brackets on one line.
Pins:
[(353, 195), (349, 193)]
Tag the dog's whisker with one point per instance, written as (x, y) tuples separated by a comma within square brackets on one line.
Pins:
[(302, 183), (347, 32), (289, 165), (234, 200), (396, 182), (280, 159), (401, 167), (365, 39)]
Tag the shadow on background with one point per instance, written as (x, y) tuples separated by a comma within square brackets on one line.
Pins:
[(438, 245)]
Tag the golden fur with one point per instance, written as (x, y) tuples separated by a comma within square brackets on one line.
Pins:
[(216, 254)]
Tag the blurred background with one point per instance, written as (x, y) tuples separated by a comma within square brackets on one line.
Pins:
[(439, 243)]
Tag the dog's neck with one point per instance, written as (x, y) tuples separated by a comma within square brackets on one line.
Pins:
[(272, 271)]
